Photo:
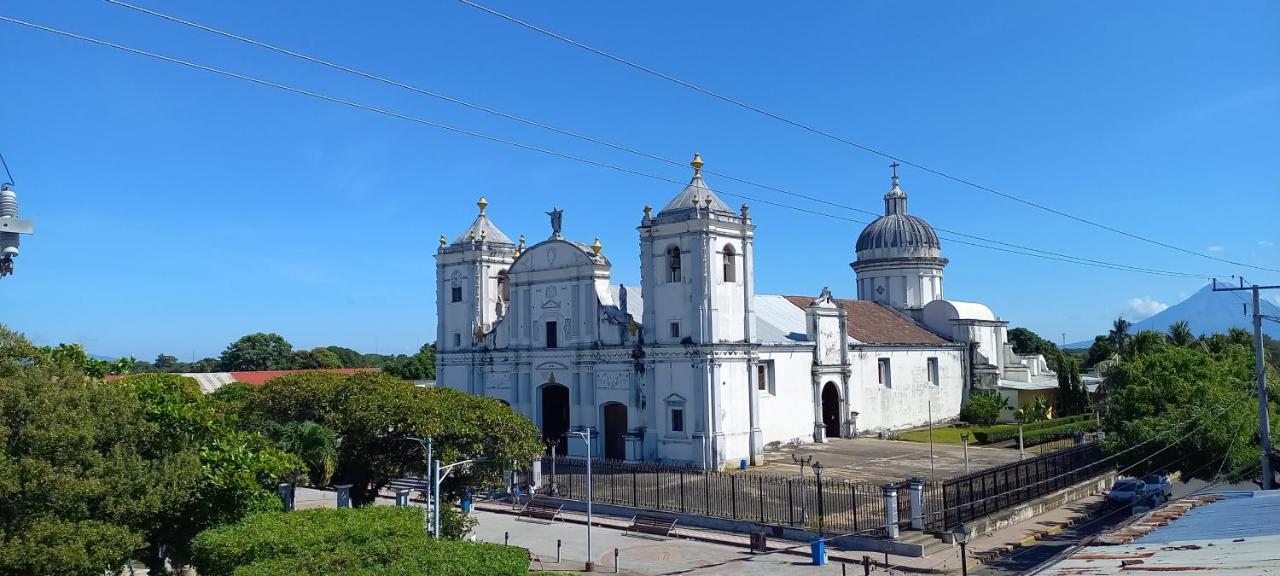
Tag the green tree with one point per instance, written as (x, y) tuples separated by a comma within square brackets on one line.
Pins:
[(374, 413), (206, 365), (86, 474), (315, 444), (1197, 405), (420, 366), (984, 407), (1073, 396), (1119, 335), (257, 351), (1101, 350), (316, 358), (348, 357), (1145, 342), (1027, 342), (1179, 334), (167, 363)]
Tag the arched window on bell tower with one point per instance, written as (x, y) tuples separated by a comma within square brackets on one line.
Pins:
[(730, 273), (673, 264)]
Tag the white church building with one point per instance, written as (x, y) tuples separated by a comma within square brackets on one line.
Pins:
[(693, 366)]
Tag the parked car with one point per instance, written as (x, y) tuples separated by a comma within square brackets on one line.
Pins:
[(1159, 483), (1133, 492)]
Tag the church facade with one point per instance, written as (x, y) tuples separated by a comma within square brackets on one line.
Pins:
[(693, 366)]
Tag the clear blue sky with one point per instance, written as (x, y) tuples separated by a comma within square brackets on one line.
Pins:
[(177, 210)]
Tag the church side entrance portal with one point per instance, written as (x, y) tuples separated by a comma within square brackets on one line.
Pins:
[(615, 429), (555, 417), (831, 409)]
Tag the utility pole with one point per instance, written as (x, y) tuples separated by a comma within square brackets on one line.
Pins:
[(1260, 372)]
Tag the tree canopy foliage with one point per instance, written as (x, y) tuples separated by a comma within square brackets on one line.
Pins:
[(1196, 404), (375, 415), (94, 470), (269, 351)]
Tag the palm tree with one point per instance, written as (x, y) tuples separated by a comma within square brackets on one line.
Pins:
[(1180, 334), (1146, 342), (316, 445), (1120, 332)]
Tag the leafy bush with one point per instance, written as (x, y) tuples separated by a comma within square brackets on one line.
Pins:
[(370, 541), (1002, 432), (983, 407)]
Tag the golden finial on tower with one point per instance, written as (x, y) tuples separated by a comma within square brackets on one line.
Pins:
[(597, 246), (484, 234), (696, 163), (443, 241), (695, 200), (471, 235), (479, 334), (482, 203)]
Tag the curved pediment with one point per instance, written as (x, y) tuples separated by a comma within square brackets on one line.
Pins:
[(556, 254)]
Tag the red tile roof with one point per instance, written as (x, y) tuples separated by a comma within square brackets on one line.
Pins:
[(261, 376), (874, 323)]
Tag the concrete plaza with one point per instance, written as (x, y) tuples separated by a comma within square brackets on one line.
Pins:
[(878, 461)]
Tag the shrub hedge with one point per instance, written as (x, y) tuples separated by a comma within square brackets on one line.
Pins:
[(1002, 432), (368, 541)]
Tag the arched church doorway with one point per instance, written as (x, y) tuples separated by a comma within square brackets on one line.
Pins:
[(831, 409), (615, 427), (555, 417)]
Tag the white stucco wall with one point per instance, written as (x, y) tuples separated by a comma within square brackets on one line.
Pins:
[(787, 414), (905, 402)]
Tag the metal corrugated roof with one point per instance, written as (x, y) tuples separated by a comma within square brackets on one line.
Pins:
[(778, 321), (1036, 383), (696, 189), (1232, 533)]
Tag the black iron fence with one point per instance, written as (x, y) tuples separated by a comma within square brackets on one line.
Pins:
[(820, 504), (975, 495)]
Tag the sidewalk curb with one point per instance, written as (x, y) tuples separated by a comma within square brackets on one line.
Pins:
[(993, 554)]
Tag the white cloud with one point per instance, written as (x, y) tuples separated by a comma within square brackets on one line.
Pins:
[(1143, 307), (1266, 243), (1216, 248)]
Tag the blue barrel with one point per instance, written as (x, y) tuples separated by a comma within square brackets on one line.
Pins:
[(818, 550), (742, 464)]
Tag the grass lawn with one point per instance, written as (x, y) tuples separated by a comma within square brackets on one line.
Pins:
[(941, 435)]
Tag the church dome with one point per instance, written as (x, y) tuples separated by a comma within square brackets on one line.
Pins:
[(898, 231)]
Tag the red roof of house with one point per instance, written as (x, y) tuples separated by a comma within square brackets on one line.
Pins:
[(875, 323)]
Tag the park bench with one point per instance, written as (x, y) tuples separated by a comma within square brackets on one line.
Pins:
[(654, 525), (535, 559), (541, 509)]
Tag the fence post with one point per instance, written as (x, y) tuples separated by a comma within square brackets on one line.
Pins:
[(853, 497), (916, 496), (635, 499), (818, 479), (890, 511), (791, 504), (733, 496), (761, 484), (706, 491), (682, 491)]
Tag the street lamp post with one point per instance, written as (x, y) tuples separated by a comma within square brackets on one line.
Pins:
[(585, 433), (964, 437), (817, 473), (425, 443), (961, 535), (438, 475)]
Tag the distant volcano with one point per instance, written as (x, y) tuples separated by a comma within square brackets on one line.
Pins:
[(1206, 312)]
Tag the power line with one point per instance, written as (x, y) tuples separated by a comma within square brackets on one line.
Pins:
[(6, 170), (842, 140), (595, 140), (495, 139)]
